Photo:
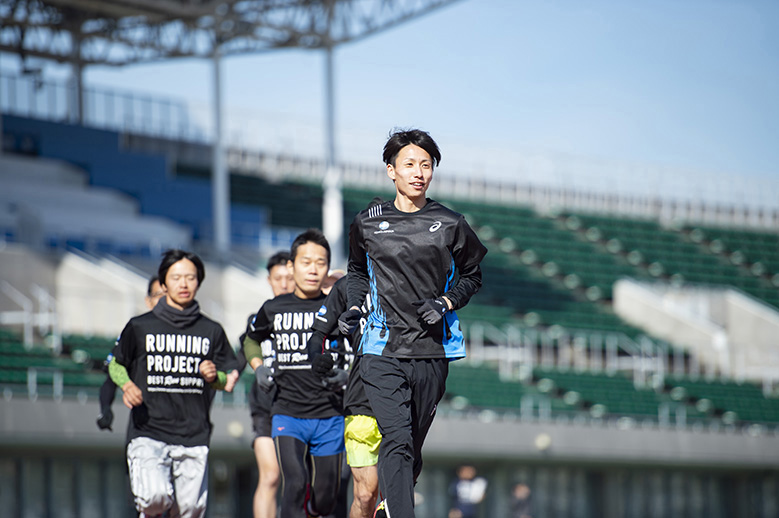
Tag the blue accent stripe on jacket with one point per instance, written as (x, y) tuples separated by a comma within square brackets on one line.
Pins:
[(376, 332), (453, 342)]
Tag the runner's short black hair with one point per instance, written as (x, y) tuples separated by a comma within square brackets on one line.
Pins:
[(153, 279), (277, 259), (400, 138), (171, 257), (312, 235)]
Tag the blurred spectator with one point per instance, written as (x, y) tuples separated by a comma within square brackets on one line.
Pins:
[(520, 502), (468, 493)]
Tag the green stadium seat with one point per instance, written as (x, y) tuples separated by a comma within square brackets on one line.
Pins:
[(745, 399)]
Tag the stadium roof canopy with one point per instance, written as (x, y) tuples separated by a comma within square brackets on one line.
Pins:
[(122, 32)]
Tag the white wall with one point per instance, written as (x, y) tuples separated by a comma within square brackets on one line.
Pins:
[(21, 269), (93, 299), (100, 297), (751, 322), (723, 327), (666, 317), (244, 293)]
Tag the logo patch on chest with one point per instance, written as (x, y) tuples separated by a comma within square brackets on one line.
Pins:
[(383, 228)]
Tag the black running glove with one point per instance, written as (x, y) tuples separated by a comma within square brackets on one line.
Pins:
[(264, 376), (431, 310), (105, 419), (337, 379), (348, 321), (322, 364)]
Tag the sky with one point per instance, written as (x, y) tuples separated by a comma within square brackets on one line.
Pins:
[(587, 93)]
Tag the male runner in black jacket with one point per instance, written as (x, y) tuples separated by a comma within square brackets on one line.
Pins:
[(361, 433), (419, 261)]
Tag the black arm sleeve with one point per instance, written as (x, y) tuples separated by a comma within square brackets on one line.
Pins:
[(316, 344), (325, 324), (107, 393), (335, 304), (468, 252), (358, 267)]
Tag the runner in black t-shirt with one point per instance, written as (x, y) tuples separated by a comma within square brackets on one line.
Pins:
[(167, 362), (418, 261), (264, 502), (307, 423), (361, 435)]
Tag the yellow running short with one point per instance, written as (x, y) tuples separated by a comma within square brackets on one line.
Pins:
[(362, 439)]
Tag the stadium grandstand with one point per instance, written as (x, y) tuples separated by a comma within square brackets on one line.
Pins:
[(622, 353)]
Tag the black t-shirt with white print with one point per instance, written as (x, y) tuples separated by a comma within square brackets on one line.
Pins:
[(287, 321), (163, 361), (398, 258)]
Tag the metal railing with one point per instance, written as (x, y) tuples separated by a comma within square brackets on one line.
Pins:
[(517, 351), (125, 112), (44, 319), (720, 200), (670, 211)]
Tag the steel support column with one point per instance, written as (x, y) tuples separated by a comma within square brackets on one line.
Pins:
[(220, 180)]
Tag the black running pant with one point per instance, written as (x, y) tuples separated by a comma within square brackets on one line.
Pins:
[(298, 470), (404, 394)]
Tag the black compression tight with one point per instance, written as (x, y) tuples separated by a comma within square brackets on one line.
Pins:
[(298, 469)]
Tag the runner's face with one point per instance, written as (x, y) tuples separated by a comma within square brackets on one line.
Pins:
[(156, 294), (412, 172), (280, 280), (309, 269), (330, 281), (181, 283)]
